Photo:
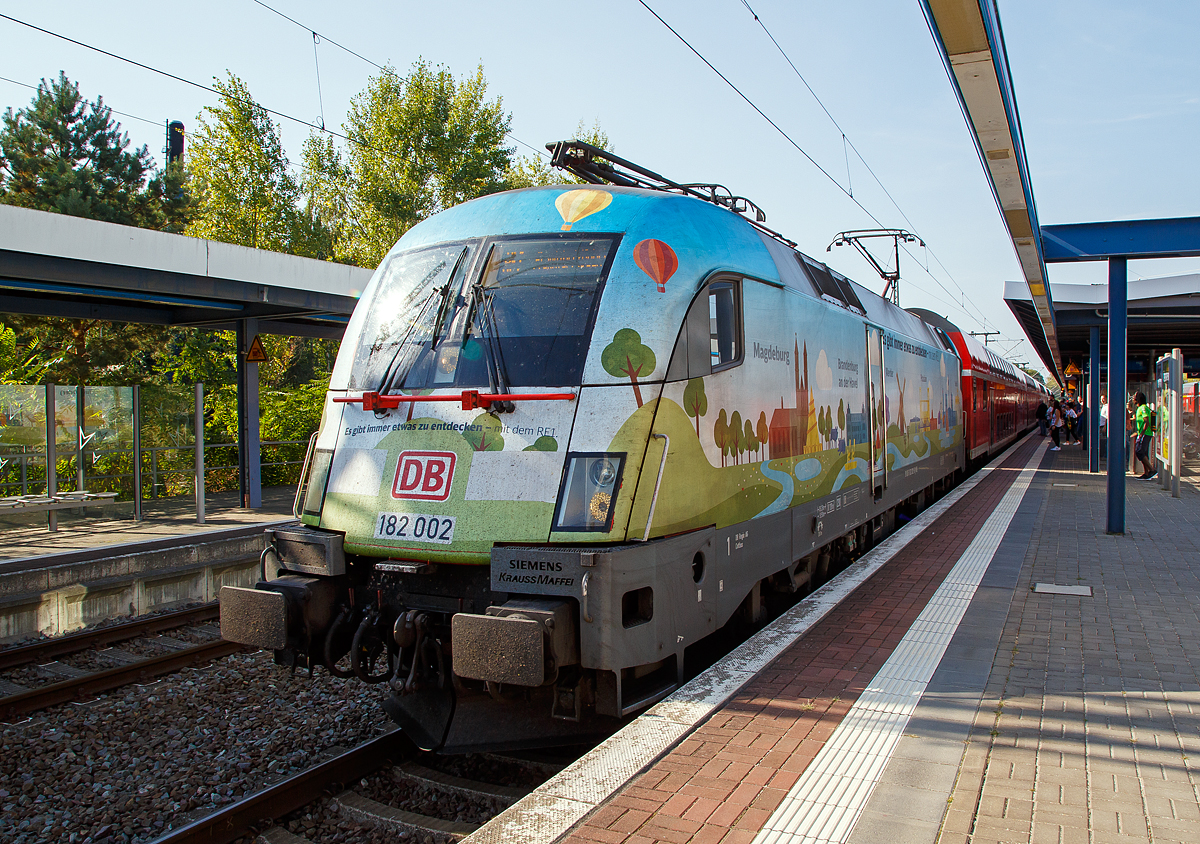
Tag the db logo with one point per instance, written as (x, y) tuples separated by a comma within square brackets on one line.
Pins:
[(424, 475)]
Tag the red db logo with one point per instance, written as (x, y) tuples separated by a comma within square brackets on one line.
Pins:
[(424, 475)]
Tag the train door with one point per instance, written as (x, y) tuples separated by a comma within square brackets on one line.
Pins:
[(875, 393)]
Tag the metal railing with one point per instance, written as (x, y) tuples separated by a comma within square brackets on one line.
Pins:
[(37, 460), (157, 473)]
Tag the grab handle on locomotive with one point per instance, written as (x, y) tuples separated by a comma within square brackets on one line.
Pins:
[(658, 482), (583, 588)]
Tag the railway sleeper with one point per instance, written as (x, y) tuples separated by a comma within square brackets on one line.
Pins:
[(279, 835), (504, 795), (368, 812)]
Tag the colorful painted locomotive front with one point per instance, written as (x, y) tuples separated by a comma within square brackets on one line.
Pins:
[(542, 311), (571, 432)]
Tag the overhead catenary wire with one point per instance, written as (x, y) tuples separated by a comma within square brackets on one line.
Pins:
[(359, 142), (847, 143), (803, 152), (382, 68), (158, 123), (249, 101), (317, 64)]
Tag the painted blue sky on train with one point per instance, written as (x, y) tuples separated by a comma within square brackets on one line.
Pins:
[(1106, 91)]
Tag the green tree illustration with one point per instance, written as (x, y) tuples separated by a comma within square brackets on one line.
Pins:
[(626, 356), (735, 436), (764, 430), (695, 402), (484, 433), (750, 440), (721, 434), (543, 444)]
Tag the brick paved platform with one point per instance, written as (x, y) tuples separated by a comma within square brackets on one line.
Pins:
[(1038, 717)]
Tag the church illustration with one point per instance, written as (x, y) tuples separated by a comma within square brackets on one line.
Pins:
[(793, 430)]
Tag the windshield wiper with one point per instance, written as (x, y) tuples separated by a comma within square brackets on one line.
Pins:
[(396, 374), (486, 315)]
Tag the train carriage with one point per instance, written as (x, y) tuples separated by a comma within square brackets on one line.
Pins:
[(571, 432)]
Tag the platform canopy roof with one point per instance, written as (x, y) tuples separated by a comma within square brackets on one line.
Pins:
[(1163, 313), (972, 46), (56, 265)]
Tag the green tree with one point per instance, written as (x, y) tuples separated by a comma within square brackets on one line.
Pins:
[(764, 430), (841, 415), (240, 181), (484, 433), (695, 402), (418, 144), (626, 356), (543, 444), (66, 154), (749, 439)]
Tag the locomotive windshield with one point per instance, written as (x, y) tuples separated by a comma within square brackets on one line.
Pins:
[(521, 319), (414, 293)]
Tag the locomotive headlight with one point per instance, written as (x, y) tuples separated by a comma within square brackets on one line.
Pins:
[(602, 473), (589, 487)]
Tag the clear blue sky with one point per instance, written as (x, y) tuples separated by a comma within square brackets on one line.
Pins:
[(1109, 96)]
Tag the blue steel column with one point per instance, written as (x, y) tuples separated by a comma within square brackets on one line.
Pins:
[(1093, 406), (1117, 439)]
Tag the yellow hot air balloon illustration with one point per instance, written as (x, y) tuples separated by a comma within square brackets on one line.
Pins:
[(574, 205)]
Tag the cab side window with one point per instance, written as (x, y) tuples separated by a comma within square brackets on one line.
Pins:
[(724, 345), (711, 337)]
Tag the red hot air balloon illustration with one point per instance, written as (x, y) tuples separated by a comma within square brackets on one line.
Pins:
[(657, 260)]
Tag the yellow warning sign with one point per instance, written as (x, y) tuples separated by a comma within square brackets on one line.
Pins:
[(257, 353), (1071, 371)]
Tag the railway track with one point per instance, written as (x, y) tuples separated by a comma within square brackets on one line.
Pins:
[(80, 684), (376, 785)]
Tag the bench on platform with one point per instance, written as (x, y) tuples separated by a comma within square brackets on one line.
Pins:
[(60, 501)]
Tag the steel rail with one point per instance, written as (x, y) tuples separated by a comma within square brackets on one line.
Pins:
[(275, 801), (113, 678), (74, 642)]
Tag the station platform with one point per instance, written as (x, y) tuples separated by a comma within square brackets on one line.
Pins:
[(100, 533), (999, 671)]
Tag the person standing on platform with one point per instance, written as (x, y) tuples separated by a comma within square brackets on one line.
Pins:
[(1101, 440), (1041, 412), (1072, 420), (1056, 426), (1144, 430)]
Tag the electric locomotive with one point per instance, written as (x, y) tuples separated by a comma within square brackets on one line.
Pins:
[(574, 430)]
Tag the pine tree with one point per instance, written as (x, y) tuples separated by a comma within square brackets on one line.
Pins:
[(63, 153)]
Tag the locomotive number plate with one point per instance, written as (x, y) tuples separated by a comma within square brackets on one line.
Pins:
[(415, 527)]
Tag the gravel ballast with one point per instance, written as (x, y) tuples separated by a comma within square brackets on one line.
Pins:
[(142, 759)]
